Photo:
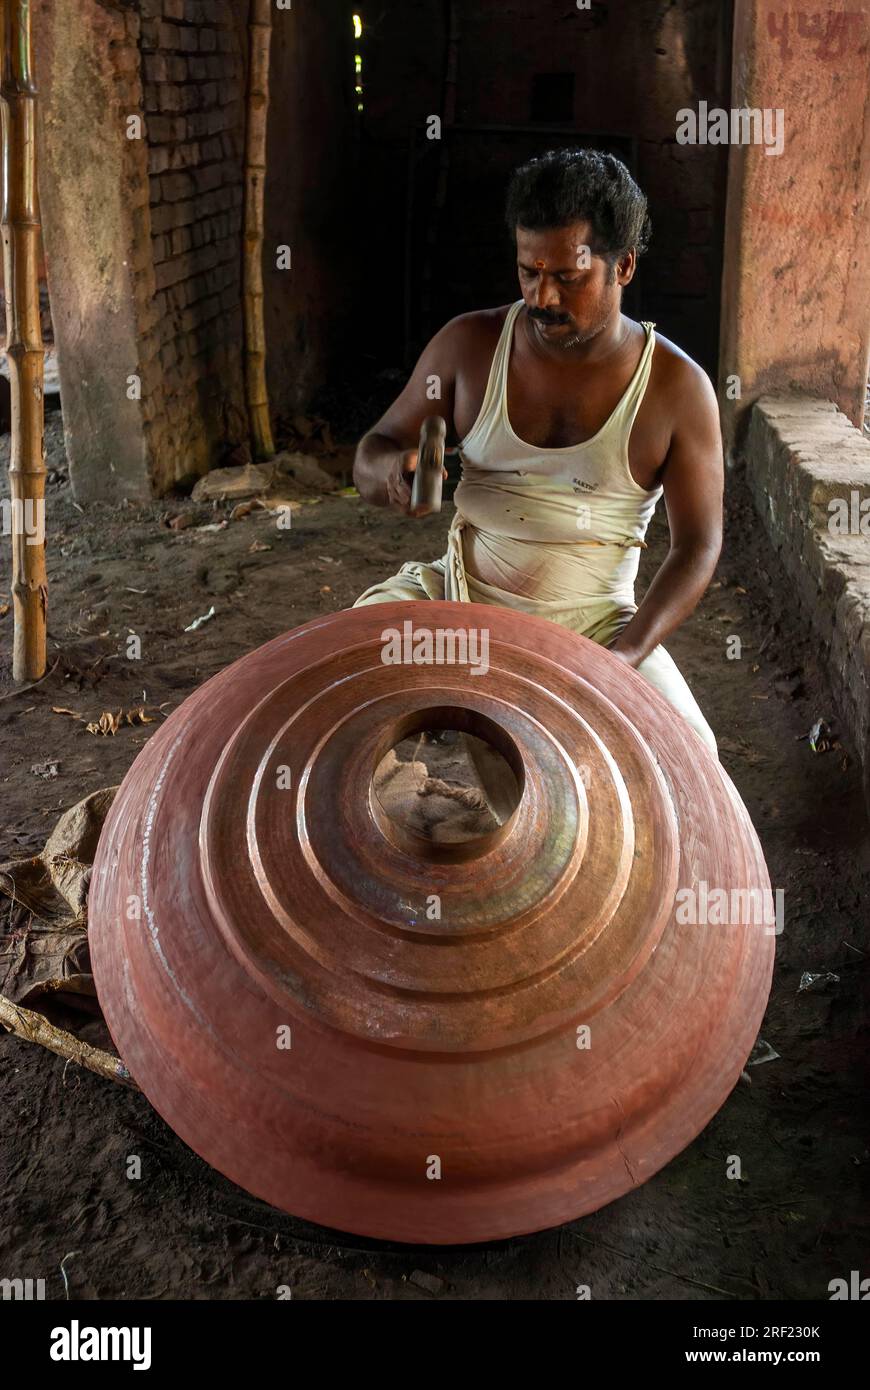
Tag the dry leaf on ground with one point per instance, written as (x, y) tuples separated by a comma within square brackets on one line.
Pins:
[(110, 721)]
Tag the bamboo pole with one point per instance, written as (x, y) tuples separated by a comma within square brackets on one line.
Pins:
[(260, 33), (19, 223)]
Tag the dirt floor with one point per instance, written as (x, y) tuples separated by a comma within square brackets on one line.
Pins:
[(790, 1226)]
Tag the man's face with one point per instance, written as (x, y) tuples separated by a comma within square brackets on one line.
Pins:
[(570, 294)]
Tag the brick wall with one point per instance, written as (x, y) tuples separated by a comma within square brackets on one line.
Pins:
[(194, 77), (143, 235)]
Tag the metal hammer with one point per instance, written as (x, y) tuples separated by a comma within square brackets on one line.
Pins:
[(428, 476)]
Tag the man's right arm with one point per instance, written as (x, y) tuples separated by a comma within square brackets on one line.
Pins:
[(387, 456)]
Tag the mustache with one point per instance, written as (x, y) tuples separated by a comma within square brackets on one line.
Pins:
[(542, 316)]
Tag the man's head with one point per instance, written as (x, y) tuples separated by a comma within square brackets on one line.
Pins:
[(580, 223)]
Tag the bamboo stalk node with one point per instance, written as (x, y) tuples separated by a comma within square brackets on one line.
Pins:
[(20, 228)]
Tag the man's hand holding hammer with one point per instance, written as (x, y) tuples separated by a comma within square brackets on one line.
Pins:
[(408, 480)]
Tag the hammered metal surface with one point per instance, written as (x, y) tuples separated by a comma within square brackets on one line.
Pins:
[(227, 906)]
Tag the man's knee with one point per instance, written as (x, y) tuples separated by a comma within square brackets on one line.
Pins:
[(660, 669)]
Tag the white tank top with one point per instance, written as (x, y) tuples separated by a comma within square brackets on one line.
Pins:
[(553, 524)]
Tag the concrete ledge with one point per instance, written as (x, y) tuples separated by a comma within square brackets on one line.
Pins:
[(809, 473)]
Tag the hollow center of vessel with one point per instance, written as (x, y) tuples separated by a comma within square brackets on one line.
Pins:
[(447, 776)]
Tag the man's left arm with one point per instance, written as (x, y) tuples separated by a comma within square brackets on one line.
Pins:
[(693, 487)]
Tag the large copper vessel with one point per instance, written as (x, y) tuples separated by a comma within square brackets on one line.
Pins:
[(271, 961)]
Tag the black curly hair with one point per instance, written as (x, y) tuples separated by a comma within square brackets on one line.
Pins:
[(564, 186)]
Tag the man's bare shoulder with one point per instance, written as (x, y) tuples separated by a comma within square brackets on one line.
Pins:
[(469, 335), (675, 376)]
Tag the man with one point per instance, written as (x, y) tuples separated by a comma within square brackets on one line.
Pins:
[(571, 422)]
